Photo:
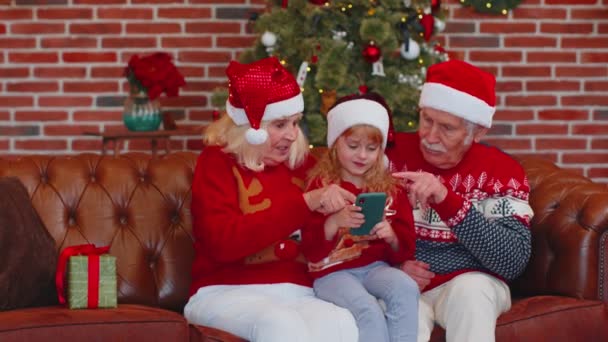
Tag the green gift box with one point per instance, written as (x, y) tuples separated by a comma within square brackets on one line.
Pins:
[(82, 287)]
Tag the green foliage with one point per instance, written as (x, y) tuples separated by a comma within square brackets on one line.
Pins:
[(331, 38), (491, 6)]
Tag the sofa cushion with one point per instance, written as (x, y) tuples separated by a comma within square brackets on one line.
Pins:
[(124, 323), (28, 255), (549, 318)]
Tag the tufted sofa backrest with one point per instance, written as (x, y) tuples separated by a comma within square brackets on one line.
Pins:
[(138, 206)]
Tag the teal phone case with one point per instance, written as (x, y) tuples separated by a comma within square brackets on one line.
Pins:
[(372, 206)]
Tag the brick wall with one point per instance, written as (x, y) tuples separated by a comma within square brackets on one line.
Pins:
[(61, 65)]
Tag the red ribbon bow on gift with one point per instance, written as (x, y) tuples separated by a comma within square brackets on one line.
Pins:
[(93, 263)]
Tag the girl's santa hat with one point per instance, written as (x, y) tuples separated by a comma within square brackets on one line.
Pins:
[(261, 91), (461, 89)]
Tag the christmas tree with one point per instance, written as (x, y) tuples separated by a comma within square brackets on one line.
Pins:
[(337, 48)]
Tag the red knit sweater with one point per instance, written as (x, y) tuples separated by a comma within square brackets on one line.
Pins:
[(316, 247), (237, 213)]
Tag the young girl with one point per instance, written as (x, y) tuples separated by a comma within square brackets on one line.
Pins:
[(354, 271)]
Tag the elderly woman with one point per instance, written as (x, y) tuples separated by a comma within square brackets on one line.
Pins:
[(249, 277)]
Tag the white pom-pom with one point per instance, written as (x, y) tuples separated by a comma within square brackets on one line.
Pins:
[(439, 25), (269, 39), (256, 136), (412, 52)]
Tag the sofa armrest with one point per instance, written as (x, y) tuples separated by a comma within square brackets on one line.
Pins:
[(569, 234), (207, 334)]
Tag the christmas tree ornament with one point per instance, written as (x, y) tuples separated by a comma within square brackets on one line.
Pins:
[(407, 3), (410, 51), (378, 68), (439, 25), (363, 89), (371, 53), (319, 2), (284, 3), (435, 7), (302, 73), (269, 39), (428, 23)]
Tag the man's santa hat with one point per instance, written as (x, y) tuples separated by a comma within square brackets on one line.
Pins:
[(461, 89), (261, 91), (368, 109)]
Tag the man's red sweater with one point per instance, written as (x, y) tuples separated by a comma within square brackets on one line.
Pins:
[(237, 213)]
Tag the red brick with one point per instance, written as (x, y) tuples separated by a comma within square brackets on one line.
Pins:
[(86, 145), (563, 114), (531, 100), (544, 13), (589, 13), (185, 42), (531, 41), (585, 158), (506, 144), (584, 100), (590, 129), (17, 43), (507, 28), (594, 57), (16, 14), (508, 86), (552, 157), (4, 145), (570, 2), (547, 57), (232, 42), (98, 115), (194, 145), (584, 43), (76, 42), (37, 28), (602, 28), (14, 72), (5, 116), (495, 56), (215, 2), (107, 72), (553, 85), (217, 71), (96, 2), (194, 86), (65, 101), (526, 71), (598, 172), (60, 72), (473, 42), (596, 86), (41, 116), (128, 42), (89, 57), (95, 28), (125, 13), (566, 28), (68, 130), (33, 57), (191, 71), (513, 115), (184, 101), (148, 28), (214, 27), (185, 13), (42, 144), (90, 87), (541, 129), (560, 144), (599, 144), (201, 115), (16, 101), (156, 1), (205, 57), (581, 71), (65, 13), (32, 87)]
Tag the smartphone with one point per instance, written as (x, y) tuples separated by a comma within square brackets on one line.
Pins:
[(372, 206)]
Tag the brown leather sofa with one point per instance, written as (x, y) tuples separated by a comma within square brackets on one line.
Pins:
[(141, 208)]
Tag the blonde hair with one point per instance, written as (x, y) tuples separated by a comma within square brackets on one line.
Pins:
[(225, 133), (376, 179)]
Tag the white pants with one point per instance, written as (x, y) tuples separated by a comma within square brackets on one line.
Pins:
[(466, 307), (271, 313)]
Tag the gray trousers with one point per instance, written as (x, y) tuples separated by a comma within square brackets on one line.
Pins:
[(359, 290)]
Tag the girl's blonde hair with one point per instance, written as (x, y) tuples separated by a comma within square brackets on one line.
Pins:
[(377, 179), (225, 133)]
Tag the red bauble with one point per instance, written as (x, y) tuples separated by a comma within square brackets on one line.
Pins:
[(318, 2), (363, 89), (428, 23), (371, 53), (286, 250)]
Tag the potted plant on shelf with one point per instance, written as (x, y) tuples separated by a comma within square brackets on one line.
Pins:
[(149, 77)]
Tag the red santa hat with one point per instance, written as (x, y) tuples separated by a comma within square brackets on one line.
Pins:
[(461, 89), (368, 109), (261, 91)]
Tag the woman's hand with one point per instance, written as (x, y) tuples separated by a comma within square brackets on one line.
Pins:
[(383, 230), (328, 199)]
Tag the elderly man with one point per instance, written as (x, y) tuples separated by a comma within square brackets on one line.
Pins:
[(470, 206)]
